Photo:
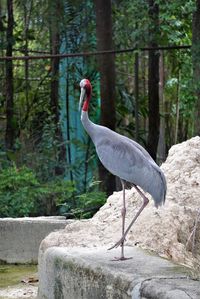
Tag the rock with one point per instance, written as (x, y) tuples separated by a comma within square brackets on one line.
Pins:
[(90, 273)]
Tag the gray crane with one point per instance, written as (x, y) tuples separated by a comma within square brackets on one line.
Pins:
[(126, 159)]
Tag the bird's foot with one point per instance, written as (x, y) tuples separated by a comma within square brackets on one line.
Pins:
[(119, 243), (121, 258)]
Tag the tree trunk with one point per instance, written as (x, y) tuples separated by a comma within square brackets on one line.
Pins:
[(2, 41), (55, 48), (1, 19), (107, 79), (136, 70), (55, 14), (177, 108), (153, 81), (143, 121), (10, 129), (27, 15), (161, 144), (196, 64)]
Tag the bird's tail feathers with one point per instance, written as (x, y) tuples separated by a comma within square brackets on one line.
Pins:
[(160, 196)]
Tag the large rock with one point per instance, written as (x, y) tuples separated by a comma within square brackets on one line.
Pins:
[(164, 230), (89, 273)]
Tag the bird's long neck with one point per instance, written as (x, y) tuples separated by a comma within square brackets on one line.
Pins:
[(86, 105), (87, 123), (87, 101)]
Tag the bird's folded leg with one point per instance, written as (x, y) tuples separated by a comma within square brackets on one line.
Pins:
[(119, 243), (144, 204)]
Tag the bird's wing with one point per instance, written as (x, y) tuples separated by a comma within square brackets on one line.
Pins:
[(139, 147), (125, 159)]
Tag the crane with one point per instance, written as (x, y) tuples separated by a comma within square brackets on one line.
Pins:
[(126, 159)]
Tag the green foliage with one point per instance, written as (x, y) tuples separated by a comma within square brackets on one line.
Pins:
[(21, 194), (47, 152), (36, 188), (87, 204), (131, 28)]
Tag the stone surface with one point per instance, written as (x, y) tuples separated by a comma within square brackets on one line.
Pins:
[(21, 237), (82, 273)]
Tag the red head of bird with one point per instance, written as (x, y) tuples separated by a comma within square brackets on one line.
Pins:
[(86, 90)]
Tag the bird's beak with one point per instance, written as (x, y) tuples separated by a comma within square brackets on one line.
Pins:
[(82, 96)]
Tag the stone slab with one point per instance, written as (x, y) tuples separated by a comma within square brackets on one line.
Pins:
[(90, 273), (20, 238)]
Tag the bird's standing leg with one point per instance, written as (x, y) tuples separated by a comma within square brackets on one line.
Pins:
[(144, 204), (123, 213)]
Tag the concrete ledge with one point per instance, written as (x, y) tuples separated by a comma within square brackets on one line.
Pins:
[(89, 273), (21, 237)]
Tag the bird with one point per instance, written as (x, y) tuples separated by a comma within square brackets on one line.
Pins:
[(126, 159)]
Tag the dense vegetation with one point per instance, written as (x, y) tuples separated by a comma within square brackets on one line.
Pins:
[(151, 94)]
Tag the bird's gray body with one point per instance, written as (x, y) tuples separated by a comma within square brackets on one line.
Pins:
[(127, 159)]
